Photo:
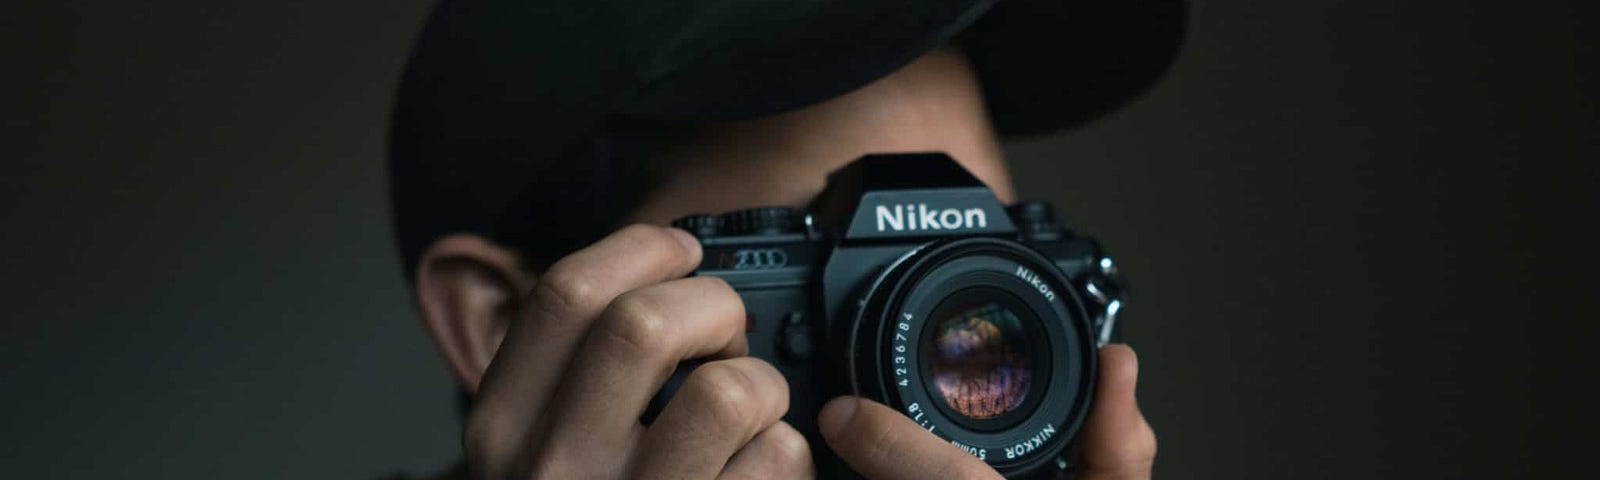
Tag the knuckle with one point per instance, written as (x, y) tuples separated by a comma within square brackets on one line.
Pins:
[(884, 450), (876, 439), (716, 295), (1131, 457), (727, 394), (565, 290), (791, 449), (713, 283), (1143, 448), (636, 321), (650, 237), (642, 232)]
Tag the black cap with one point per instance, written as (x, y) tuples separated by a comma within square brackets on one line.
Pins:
[(514, 115)]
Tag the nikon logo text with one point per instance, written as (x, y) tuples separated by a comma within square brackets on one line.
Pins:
[(900, 218), (1038, 284)]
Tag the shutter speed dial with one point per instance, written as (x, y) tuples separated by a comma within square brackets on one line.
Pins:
[(701, 226), (762, 221)]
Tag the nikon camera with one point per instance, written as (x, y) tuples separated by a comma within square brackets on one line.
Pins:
[(907, 282)]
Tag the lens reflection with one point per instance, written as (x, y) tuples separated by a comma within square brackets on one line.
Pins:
[(980, 362)]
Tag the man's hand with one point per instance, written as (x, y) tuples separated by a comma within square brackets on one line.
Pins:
[(607, 325), (885, 445)]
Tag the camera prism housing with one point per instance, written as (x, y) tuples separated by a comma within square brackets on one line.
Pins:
[(907, 282)]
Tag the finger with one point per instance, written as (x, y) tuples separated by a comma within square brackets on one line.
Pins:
[(564, 302), (778, 453), (722, 405), (625, 358), (882, 444), (1117, 442)]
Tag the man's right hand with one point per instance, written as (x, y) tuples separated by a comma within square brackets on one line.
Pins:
[(606, 326)]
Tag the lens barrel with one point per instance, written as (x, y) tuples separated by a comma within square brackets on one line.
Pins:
[(981, 341)]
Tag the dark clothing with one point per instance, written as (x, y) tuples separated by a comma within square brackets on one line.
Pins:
[(514, 116)]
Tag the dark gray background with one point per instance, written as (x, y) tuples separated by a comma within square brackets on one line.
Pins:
[(1358, 232)]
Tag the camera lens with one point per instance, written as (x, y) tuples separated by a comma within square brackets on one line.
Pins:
[(980, 341), (982, 353), (979, 362)]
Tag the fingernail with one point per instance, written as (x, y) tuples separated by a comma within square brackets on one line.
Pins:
[(836, 414)]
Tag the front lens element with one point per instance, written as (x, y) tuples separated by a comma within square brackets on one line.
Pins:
[(980, 361), (982, 342)]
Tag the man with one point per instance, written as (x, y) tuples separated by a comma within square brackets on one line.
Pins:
[(539, 150)]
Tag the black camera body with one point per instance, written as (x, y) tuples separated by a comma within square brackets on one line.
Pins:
[(908, 282)]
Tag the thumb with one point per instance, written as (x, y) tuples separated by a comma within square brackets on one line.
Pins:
[(882, 444), (1118, 443)]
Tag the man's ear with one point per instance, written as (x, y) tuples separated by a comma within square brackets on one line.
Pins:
[(468, 290)]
